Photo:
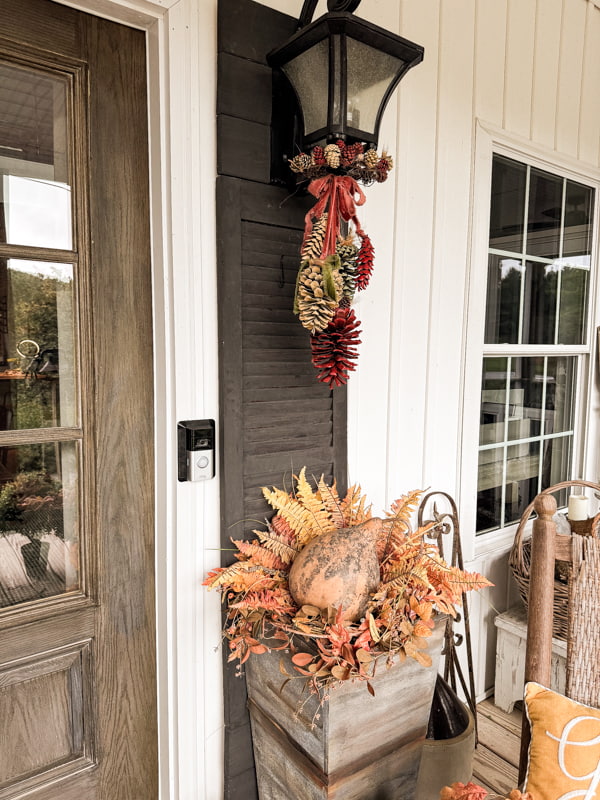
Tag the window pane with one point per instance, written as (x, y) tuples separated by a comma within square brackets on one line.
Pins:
[(37, 352), (557, 463), (526, 397), (544, 214), (503, 300), (539, 303), (35, 196), (508, 204), (489, 489), (560, 395), (573, 305), (578, 220), (39, 552), (493, 401), (522, 470)]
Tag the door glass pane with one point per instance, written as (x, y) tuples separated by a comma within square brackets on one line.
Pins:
[(35, 195), (37, 374), (39, 550)]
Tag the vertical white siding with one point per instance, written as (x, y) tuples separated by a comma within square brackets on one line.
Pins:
[(545, 76), (528, 69), (589, 112)]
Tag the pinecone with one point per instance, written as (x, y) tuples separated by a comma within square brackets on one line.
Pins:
[(300, 163), (353, 151), (347, 251), (364, 263), (371, 158), (314, 243), (318, 156), (334, 351), (386, 162), (332, 156), (315, 306)]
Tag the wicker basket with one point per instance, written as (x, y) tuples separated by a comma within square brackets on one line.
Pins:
[(520, 558)]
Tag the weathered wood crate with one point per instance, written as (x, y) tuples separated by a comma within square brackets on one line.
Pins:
[(356, 747)]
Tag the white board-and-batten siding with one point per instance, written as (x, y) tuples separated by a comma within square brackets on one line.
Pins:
[(517, 74)]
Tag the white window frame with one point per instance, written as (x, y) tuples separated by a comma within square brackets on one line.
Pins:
[(490, 141)]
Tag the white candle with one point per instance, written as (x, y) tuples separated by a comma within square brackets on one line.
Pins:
[(578, 507)]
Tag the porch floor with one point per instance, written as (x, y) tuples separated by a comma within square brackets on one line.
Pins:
[(496, 762)]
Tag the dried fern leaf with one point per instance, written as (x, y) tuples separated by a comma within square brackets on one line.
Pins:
[(299, 519), (277, 545), (354, 507), (259, 555), (322, 522), (243, 576), (332, 503), (403, 507)]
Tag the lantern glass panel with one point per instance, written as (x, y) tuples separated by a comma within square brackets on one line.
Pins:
[(308, 73), (370, 73), (337, 112)]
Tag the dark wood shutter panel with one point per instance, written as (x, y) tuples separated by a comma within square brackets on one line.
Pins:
[(275, 416)]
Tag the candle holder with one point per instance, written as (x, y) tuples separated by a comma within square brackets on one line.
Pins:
[(584, 527)]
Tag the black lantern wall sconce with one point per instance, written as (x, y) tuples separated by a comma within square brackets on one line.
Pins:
[(343, 71)]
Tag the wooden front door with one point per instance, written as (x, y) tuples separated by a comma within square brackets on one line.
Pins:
[(77, 637)]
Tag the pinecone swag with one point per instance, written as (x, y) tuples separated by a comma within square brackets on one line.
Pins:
[(364, 263), (332, 269), (334, 351)]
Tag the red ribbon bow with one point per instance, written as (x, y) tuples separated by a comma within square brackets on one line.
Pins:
[(341, 194)]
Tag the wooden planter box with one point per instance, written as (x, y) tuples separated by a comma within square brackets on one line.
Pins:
[(360, 747)]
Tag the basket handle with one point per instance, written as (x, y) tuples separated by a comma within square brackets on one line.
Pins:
[(528, 511)]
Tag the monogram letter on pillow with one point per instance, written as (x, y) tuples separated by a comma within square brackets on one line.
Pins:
[(564, 754)]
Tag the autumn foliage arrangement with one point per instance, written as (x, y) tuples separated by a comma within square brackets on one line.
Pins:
[(334, 266), (470, 791), (327, 649)]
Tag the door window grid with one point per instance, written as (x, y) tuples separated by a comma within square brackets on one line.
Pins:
[(517, 461), (40, 426)]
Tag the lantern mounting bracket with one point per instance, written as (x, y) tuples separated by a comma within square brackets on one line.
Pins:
[(308, 9)]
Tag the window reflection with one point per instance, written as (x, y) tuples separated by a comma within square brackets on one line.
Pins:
[(527, 414), (35, 196), (37, 377), (39, 552)]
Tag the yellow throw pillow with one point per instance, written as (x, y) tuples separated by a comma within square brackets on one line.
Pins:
[(564, 754)]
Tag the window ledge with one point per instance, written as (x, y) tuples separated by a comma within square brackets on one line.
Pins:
[(496, 542)]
